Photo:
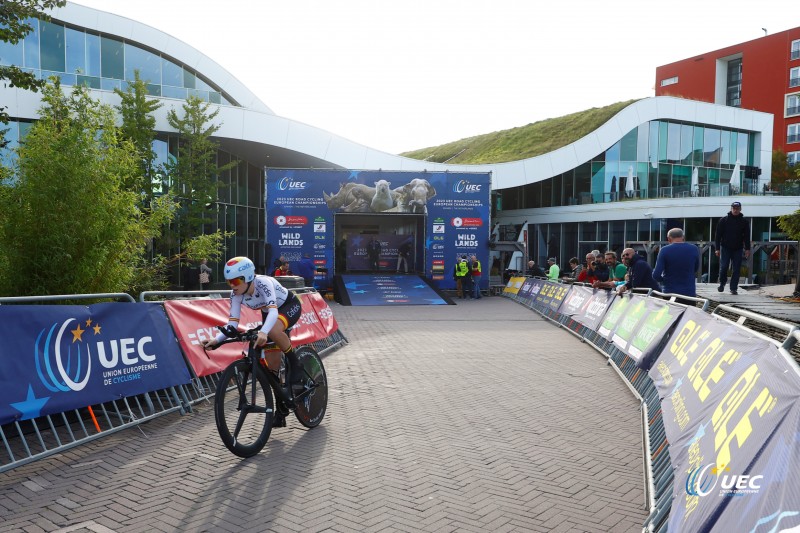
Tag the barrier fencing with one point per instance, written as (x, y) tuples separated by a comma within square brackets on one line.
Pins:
[(651, 351), (146, 363)]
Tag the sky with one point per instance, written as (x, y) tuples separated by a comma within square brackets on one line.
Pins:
[(404, 75)]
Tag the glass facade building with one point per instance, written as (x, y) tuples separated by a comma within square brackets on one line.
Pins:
[(81, 57), (660, 163), (658, 159)]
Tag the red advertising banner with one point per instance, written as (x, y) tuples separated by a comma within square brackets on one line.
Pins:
[(196, 320), (323, 311)]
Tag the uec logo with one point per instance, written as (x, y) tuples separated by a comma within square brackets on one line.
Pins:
[(289, 184), (700, 482), (56, 375), (465, 186)]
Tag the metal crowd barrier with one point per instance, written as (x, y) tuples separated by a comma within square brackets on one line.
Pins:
[(658, 471), (29, 440)]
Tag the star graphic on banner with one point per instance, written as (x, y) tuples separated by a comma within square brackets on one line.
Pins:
[(96, 329), (76, 333), (88, 322), (701, 430), (32, 405)]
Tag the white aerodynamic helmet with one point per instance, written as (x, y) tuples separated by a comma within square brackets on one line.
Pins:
[(240, 267)]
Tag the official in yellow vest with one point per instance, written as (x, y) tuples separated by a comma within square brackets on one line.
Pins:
[(476, 277), (460, 271)]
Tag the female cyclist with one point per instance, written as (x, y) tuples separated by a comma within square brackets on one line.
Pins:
[(280, 310)]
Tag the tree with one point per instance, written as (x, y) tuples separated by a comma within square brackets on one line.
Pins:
[(791, 225), (139, 127), (781, 170), (68, 222), (194, 172), (13, 28)]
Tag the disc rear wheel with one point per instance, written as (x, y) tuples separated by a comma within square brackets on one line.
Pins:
[(311, 399)]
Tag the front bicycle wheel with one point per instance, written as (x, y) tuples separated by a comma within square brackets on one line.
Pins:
[(311, 399), (243, 409)]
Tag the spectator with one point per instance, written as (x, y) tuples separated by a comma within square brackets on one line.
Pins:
[(594, 271), (640, 275), (553, 271), (283, 270), (374, 253), (403, 253), (733, 234), (306, 269), (535, 270), (616, 272), (677, 265), (574, 268), (475, 267), (205, 274)]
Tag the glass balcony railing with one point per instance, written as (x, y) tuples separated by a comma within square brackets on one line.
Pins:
[(795, 54), (791, 111), (794, 82), (793, 138)]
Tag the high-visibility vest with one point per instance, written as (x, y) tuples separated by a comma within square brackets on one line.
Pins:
[(461, 269), (476, 267)]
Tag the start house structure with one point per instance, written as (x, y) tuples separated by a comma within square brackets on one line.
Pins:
[(659, 163)]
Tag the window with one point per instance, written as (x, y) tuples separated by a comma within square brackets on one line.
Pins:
[(669, 81), (792, 105), (796, 49), (793, 133), (733, 96), (794, 77), (793, 158)]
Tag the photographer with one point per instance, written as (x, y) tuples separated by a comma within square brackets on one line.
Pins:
[(595, 270)]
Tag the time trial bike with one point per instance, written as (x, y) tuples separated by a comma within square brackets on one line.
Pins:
[(249, 395)]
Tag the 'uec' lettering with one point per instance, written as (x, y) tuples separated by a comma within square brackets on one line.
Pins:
[(123, 350)]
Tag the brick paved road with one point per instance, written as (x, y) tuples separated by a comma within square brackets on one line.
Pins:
[(476, 417)]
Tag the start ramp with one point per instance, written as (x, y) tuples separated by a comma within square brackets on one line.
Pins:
[(388, 289)]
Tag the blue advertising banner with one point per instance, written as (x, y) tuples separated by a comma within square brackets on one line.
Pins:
[(455, 207), (59, 358), (731, 415)]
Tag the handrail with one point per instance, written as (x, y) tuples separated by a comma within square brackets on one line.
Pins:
[(54, 297), (744, 314), (672, 297), (218, 292)]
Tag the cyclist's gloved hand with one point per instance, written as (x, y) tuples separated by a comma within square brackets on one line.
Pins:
[(209, 344), (229, 330), (262, 339)]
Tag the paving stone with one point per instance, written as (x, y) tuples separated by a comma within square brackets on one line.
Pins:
[(440, 418)]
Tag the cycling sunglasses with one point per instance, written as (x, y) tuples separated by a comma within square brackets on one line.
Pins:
[(235, 282)]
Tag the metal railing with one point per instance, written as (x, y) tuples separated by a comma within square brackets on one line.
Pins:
[(24, 441), (658, 471)]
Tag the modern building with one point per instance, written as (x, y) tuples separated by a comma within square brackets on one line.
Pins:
[(762, 74), (659, 163)]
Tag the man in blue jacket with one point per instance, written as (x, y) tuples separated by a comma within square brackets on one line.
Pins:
[(733, 235), (677, 265), (640, 275)]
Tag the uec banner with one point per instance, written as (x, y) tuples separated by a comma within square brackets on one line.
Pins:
[(731, 414), (60, 358)]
